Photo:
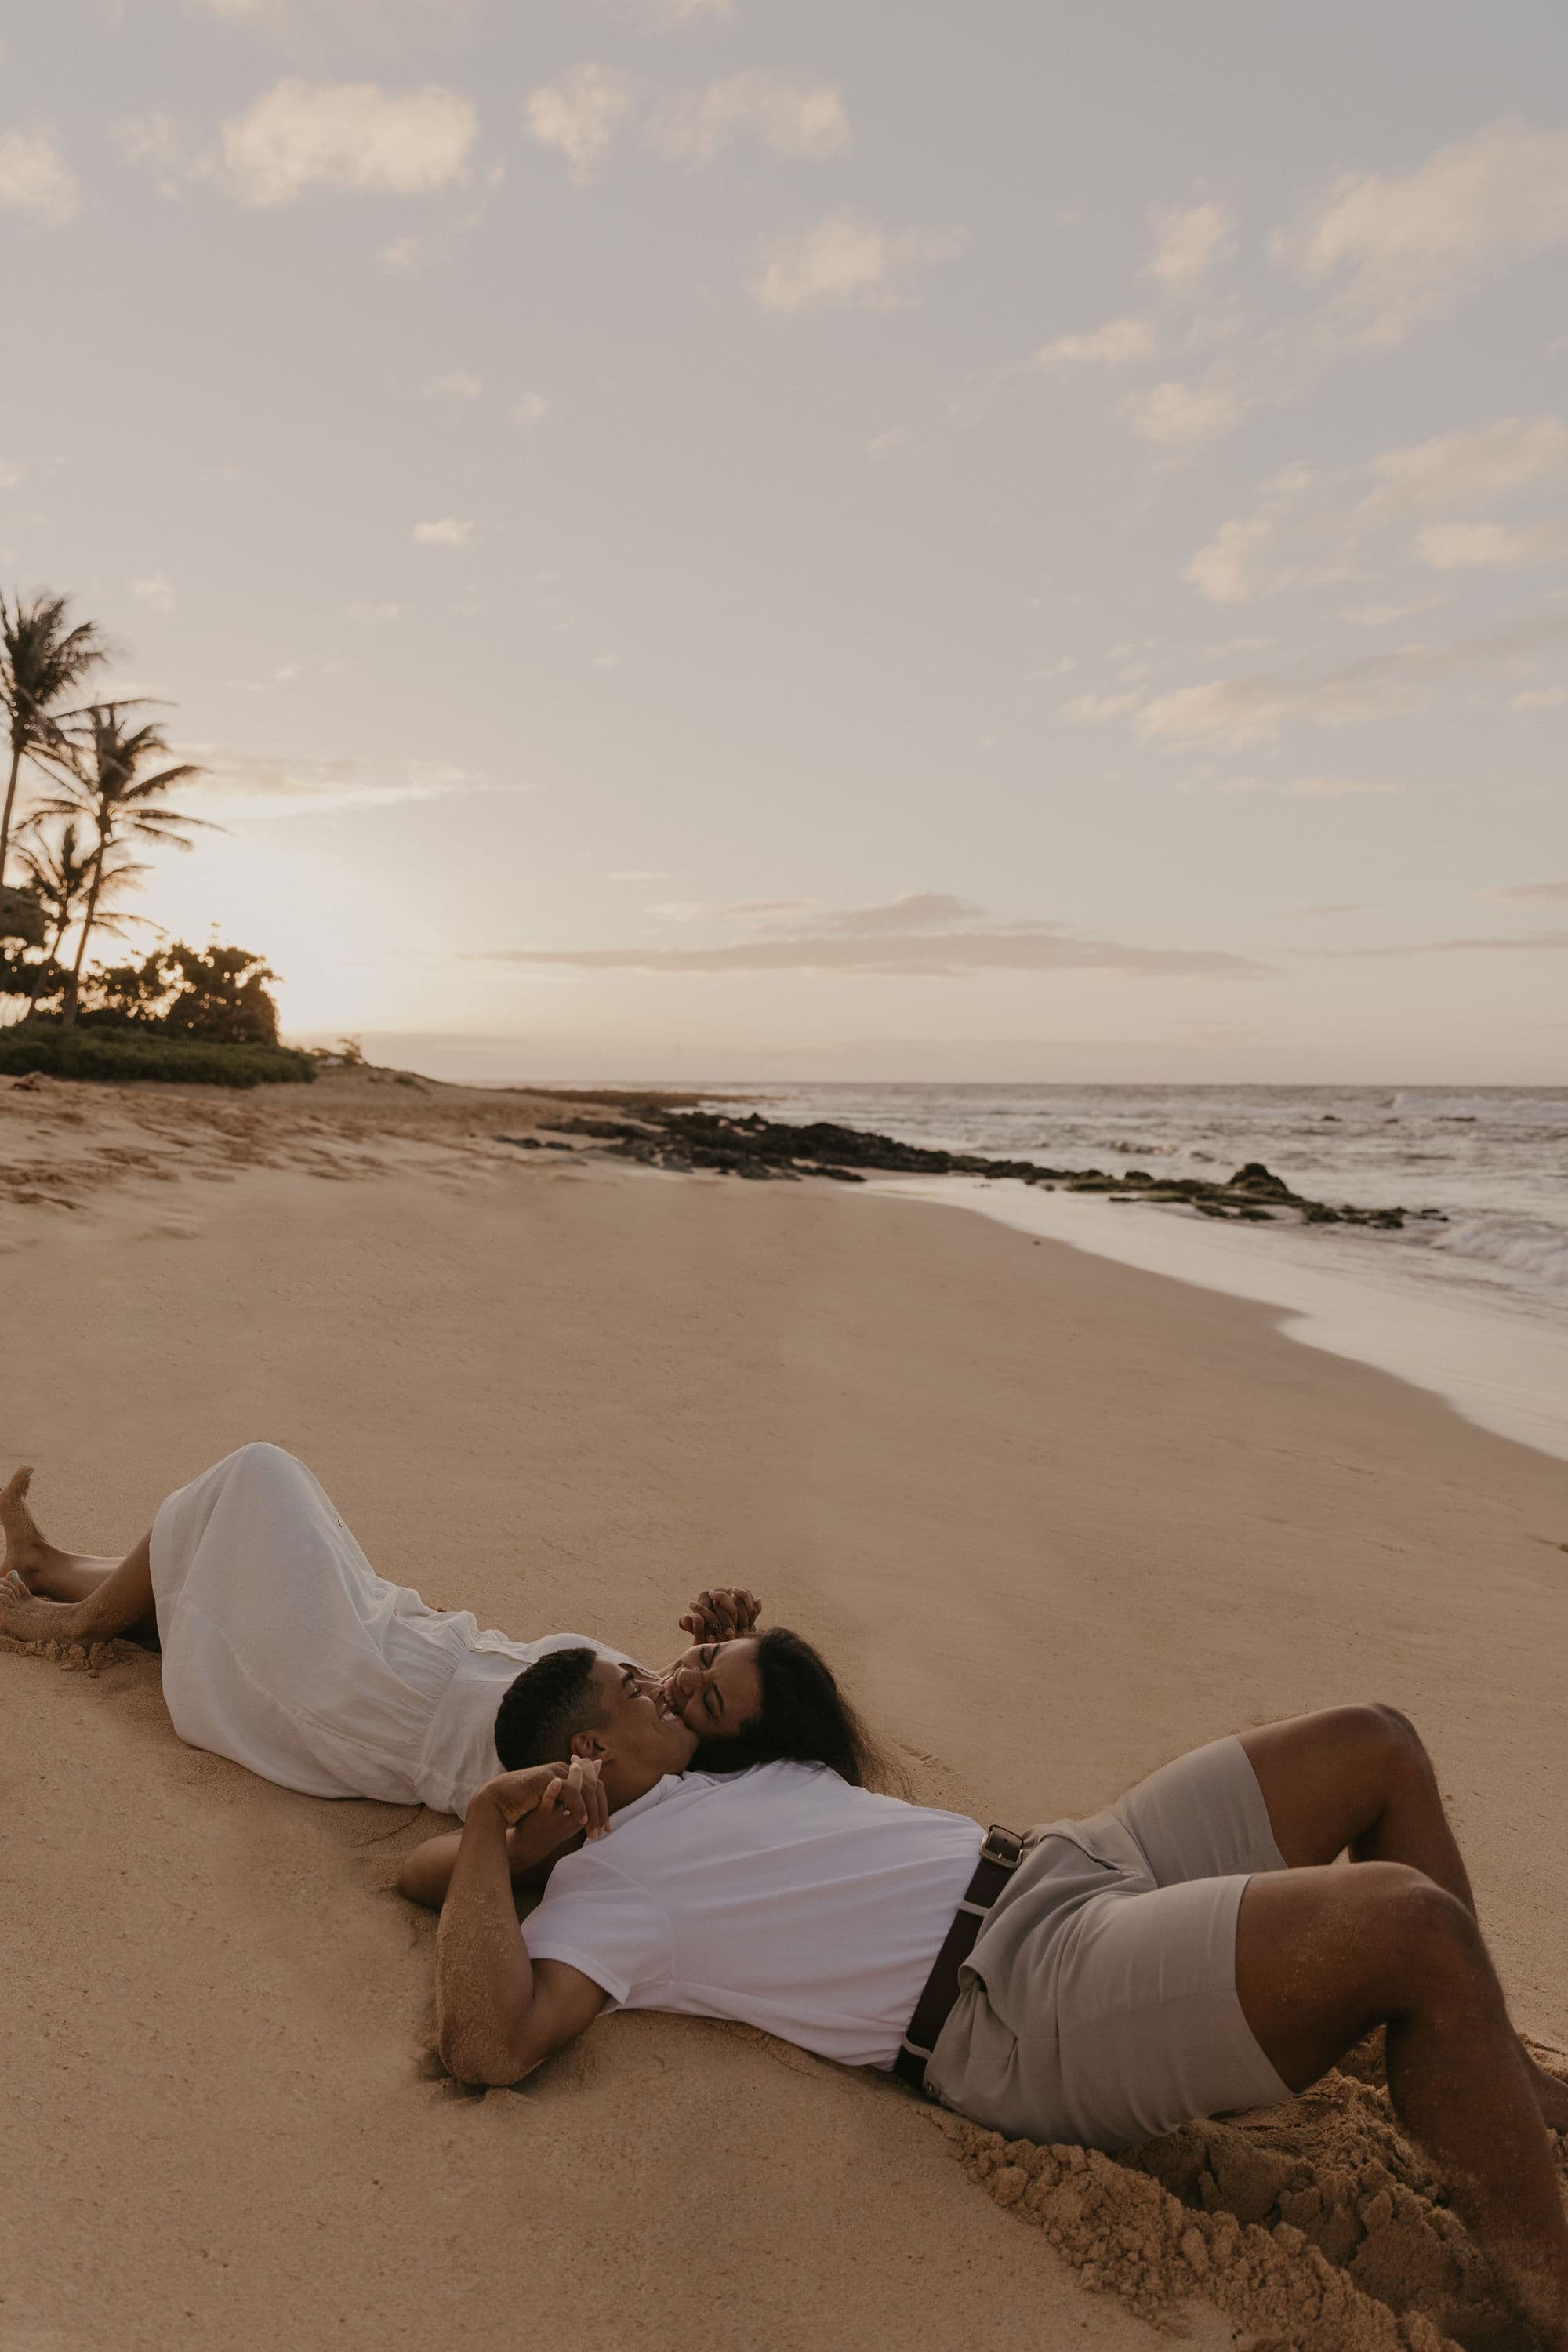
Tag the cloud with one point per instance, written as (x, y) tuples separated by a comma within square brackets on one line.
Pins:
[(259, 776), (347, 135), (579, 115), (1176, 416), (1379, 617), (783, 112), (459, 385), (1240, 563), (447, 533), (1373, 256), (373, 616), (1305, 529), (1526, 943), (926, 935), (1531, 894), (1489, 546), (1469, 468), (1117, 343), (357, 27), (254, 783), (1252, 710), (675, 16), (1189, 239), (156, 143), (1543, 698), (1307, 788), (846, 262), (749, 911), (1100, 706), (915, 910), (156, 589), (531, 409), (1395, 251), (33, 175), (10, 476)]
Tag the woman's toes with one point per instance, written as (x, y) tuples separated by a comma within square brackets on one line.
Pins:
[(24, 1618)]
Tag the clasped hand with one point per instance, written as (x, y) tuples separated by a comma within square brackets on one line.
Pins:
[(722, 1614), (568, 1796)]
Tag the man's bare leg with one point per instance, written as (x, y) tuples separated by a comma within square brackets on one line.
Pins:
[(1358, 1778), (49, 1595), (1322, 1955)]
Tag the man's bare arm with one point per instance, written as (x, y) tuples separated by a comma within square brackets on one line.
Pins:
[(534, 1846), (498, 2014)]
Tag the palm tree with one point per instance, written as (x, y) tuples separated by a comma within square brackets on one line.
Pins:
[(42, 660), (58, 872), (103, 764)]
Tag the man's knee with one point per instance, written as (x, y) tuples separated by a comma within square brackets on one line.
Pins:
[(1415, 1928), (1388, 1732)]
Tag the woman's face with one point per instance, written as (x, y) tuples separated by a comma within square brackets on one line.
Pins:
[(715, 1688)]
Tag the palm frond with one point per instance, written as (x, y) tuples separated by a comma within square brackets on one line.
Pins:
[(43, 656)]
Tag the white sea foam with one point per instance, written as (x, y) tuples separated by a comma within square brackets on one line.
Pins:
[(1526, 1247)]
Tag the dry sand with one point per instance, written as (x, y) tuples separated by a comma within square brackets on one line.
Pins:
[(1057, 1520)]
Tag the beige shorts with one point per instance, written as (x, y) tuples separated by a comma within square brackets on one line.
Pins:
[(1098, 2005)]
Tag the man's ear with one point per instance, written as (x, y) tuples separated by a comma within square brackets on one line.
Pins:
[(589, 1744)]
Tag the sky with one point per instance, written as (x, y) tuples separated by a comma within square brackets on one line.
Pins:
[(825, 539)]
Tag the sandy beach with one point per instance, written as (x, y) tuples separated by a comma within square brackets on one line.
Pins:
[(1054, 1520)]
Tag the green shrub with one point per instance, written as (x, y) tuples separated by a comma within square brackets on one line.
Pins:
[(96, 1053)]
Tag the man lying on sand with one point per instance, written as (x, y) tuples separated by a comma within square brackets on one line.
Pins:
[(1186, 1953), (284, 1651)]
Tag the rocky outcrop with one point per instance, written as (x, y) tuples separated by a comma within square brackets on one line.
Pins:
[(753, 1147)]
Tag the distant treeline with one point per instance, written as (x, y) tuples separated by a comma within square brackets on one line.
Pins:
[(87, 785)]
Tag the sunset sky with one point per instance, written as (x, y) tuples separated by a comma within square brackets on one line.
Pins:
[(824, 538)]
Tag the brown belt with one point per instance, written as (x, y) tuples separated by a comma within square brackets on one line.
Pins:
[(1000, 1854)]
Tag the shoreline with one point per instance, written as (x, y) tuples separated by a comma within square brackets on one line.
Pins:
[(1494, 1361), (1054, 1520), (1499, 1367)]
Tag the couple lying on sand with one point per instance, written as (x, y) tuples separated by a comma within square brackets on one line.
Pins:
[(708, 1843)]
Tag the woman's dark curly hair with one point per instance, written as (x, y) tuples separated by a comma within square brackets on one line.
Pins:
[(804, 1719)]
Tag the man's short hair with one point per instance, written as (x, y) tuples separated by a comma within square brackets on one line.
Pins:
[(545, 1707)]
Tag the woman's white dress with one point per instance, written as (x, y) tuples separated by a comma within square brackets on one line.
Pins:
[(286, 1652)]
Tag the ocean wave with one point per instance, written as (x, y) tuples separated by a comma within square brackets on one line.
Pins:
[(1528, 1249)]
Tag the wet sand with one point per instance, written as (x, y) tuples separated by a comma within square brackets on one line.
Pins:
[(1057, 1519)]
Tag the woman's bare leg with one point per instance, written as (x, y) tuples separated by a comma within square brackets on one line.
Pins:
[(1358, 1778), (50, 1595)]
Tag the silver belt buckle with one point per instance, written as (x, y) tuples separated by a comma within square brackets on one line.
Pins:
[(1004, 1847)]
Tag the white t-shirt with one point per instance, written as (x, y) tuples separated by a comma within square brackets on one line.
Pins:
[(779, 1897)]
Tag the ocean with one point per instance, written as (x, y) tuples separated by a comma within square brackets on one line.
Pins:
[(1473, 1304)]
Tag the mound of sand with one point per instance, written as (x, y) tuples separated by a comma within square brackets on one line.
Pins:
[(1315, 2225), (76, 1657)]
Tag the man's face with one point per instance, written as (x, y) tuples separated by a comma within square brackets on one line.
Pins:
[(642, 1729), (715, 1688)]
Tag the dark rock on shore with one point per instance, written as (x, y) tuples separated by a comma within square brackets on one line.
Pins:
[(752, 1147)]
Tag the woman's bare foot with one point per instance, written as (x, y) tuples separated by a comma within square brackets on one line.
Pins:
[(27, 1553), (43, 1566), (27, 1617)]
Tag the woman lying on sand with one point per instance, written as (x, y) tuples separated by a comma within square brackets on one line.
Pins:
[(284, 1651)]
